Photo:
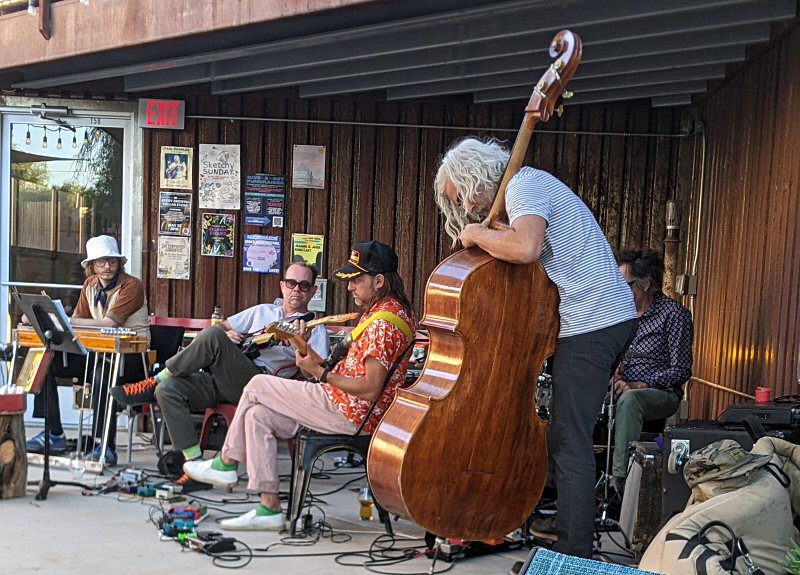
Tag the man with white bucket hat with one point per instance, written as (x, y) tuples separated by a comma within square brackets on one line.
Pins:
[(109, 298)]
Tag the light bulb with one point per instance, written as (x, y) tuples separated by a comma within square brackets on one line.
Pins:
[(86, 137), (97, 133), (28, 136), (44, 141), (58, 144), (74, 141)]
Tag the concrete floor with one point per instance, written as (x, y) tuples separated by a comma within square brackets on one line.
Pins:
[(70, 532)]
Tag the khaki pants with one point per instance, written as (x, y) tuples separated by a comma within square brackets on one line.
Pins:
[(273, 408)]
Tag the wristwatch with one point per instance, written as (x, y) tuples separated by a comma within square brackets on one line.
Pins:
[(324, 377)]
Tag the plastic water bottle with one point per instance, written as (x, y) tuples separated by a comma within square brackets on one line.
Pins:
[(365, 503)]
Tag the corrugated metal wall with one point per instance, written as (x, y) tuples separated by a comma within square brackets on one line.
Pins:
[(747, 312), (379, 182)]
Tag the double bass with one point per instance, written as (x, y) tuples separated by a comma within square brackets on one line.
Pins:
[(462, 452)]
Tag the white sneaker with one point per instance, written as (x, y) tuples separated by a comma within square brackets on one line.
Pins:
[(252, 522), (201, 470)]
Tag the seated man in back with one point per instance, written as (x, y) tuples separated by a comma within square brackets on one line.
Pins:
[(648, 383), (109, 298), (181, 387), (275, 408)]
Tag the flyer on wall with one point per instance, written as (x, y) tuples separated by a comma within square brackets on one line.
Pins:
[(218, 235), (219, 177), (174, 258), (262, 254), (176, 168), (308, 248), (308, 167), (175, 214), (264, 200)]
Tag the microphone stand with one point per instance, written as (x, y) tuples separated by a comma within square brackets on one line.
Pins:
[(46, 482)]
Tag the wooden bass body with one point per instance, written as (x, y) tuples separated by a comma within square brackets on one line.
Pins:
[(462, 451)]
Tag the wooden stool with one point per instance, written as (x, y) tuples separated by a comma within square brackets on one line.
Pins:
[(224, 410), (13, 456)]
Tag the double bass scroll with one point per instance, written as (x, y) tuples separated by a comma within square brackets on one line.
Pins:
[(462, 452)]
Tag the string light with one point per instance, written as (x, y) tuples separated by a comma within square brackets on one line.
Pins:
[(86, 137), (44, 140), (97, 133), (28, 135), (58, 144), (74, 141)]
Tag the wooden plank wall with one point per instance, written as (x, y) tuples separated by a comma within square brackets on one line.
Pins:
[(747, 308), (379, 182)]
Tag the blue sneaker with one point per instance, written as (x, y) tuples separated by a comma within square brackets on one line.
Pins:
[(111, 455), (58, 443)]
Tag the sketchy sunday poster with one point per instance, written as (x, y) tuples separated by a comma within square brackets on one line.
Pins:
[(219, 177)]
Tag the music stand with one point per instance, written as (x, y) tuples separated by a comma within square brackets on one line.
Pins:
[(52, 326)]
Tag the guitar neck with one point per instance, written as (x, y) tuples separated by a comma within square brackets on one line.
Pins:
[(299, 344)]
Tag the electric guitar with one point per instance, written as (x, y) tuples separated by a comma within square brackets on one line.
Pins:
[(286, 329)]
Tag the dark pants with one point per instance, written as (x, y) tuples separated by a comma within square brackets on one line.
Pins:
[(582, 367), (76, 366), (226, 372)]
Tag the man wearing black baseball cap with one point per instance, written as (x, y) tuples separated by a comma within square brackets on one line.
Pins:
[(337, 399), (370, 258)]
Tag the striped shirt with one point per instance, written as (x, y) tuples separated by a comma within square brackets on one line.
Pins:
[(575, 254)]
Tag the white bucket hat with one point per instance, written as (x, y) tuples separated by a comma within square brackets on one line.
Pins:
[(102, 247)]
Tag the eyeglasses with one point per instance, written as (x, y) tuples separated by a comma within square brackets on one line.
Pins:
[(305, 286), (102, 262), (630, 283)]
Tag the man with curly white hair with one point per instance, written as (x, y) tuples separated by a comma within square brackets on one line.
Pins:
[(548, 223)]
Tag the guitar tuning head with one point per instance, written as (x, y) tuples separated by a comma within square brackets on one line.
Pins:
[(560, 110), (566, 94)]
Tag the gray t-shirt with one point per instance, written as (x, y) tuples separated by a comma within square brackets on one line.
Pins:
[(277, 359)]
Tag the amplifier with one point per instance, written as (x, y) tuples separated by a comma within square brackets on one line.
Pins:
[(640, 515), (682, 439), (771, 414)]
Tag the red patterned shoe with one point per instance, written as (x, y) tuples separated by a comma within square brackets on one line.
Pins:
[(136, 393)]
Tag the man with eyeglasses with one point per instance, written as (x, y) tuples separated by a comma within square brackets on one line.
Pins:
[(109, 298), (182, 388), (649, 381)]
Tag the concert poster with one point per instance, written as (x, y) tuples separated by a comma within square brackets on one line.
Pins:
[(176, 168), (262, 254), (219, 177), (264, 199), (174, 258), (218, 235), (308, 248), (308, 167), (175, 214), (319, 301)]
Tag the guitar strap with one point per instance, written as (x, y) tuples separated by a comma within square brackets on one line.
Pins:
[(340, 350), (395, 320)]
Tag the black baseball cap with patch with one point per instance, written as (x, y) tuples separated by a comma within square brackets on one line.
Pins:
[(368, 258)]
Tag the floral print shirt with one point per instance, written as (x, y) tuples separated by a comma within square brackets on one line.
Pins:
[(383, 341)]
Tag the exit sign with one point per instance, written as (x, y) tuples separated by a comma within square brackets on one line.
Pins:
[(164, 114)]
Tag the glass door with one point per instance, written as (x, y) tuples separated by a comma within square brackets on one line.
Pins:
[(63, 182)]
